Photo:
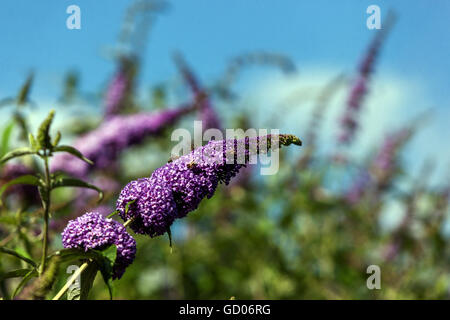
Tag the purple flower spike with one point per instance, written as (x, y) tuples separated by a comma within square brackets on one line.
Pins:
[(178, 187), (207, 114), (121, 86), (93, 231), (360, 86), (153, 209), (115, 94), (104, 144), (385, 161)]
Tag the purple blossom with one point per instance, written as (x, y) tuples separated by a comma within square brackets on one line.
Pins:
[(178, 187), (121, 85), (359, 89), (207, 115), (115, 93), (359, 187), (93, 231), (104, 144), (385, 161)]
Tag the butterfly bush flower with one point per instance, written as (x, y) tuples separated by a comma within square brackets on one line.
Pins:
[(384, 163), (207, 115), (120, 86), (104, 144), (359, 89), (359, 187), (381, 168), (116, 92), (178, 187), (93, 231)]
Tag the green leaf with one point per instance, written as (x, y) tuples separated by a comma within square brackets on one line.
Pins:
[(8, 220), (72, 182), (68, 255), (103, 260), (86, 281), (24, 92), (15, 273), (33, 143), (43, 135), (23, 282), (106, 267), (73, 152), (110, 253), (57, 139), (16, 153), (26, 179), (169, 233), (6, 136), (17, 255)]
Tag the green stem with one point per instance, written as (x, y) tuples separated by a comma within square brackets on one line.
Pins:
[(127, 223), (46, 204)]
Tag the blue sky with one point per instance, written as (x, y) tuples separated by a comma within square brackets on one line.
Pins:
[(317, 35), (34, 36)]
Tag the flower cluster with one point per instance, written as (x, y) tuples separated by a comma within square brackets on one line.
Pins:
[(382, 167), (178, 187), (207, 115), (93, 231), (384, 163), (359, 187), (359, 89), (120, 86), (115, 93), (104, 144)]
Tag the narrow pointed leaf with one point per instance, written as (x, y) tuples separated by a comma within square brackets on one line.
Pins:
[(72, 182), (33, 143), (23, 282), (14, 274), (17, 255), (26, 179), (6, 136), (72, 151), (57, 139), (43, 135), (17, 153), (106, 267)]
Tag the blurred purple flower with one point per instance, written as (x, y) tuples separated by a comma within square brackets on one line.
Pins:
[(384, 163), (359, 89), (116, 92), (207, 115), (178, 187), (104, 144), (359, 187), (93, 231), (120, 86)]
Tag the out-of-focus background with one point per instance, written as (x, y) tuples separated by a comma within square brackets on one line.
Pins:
[(369, 186)]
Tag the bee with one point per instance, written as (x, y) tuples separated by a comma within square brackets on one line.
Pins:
[(191, 164)]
